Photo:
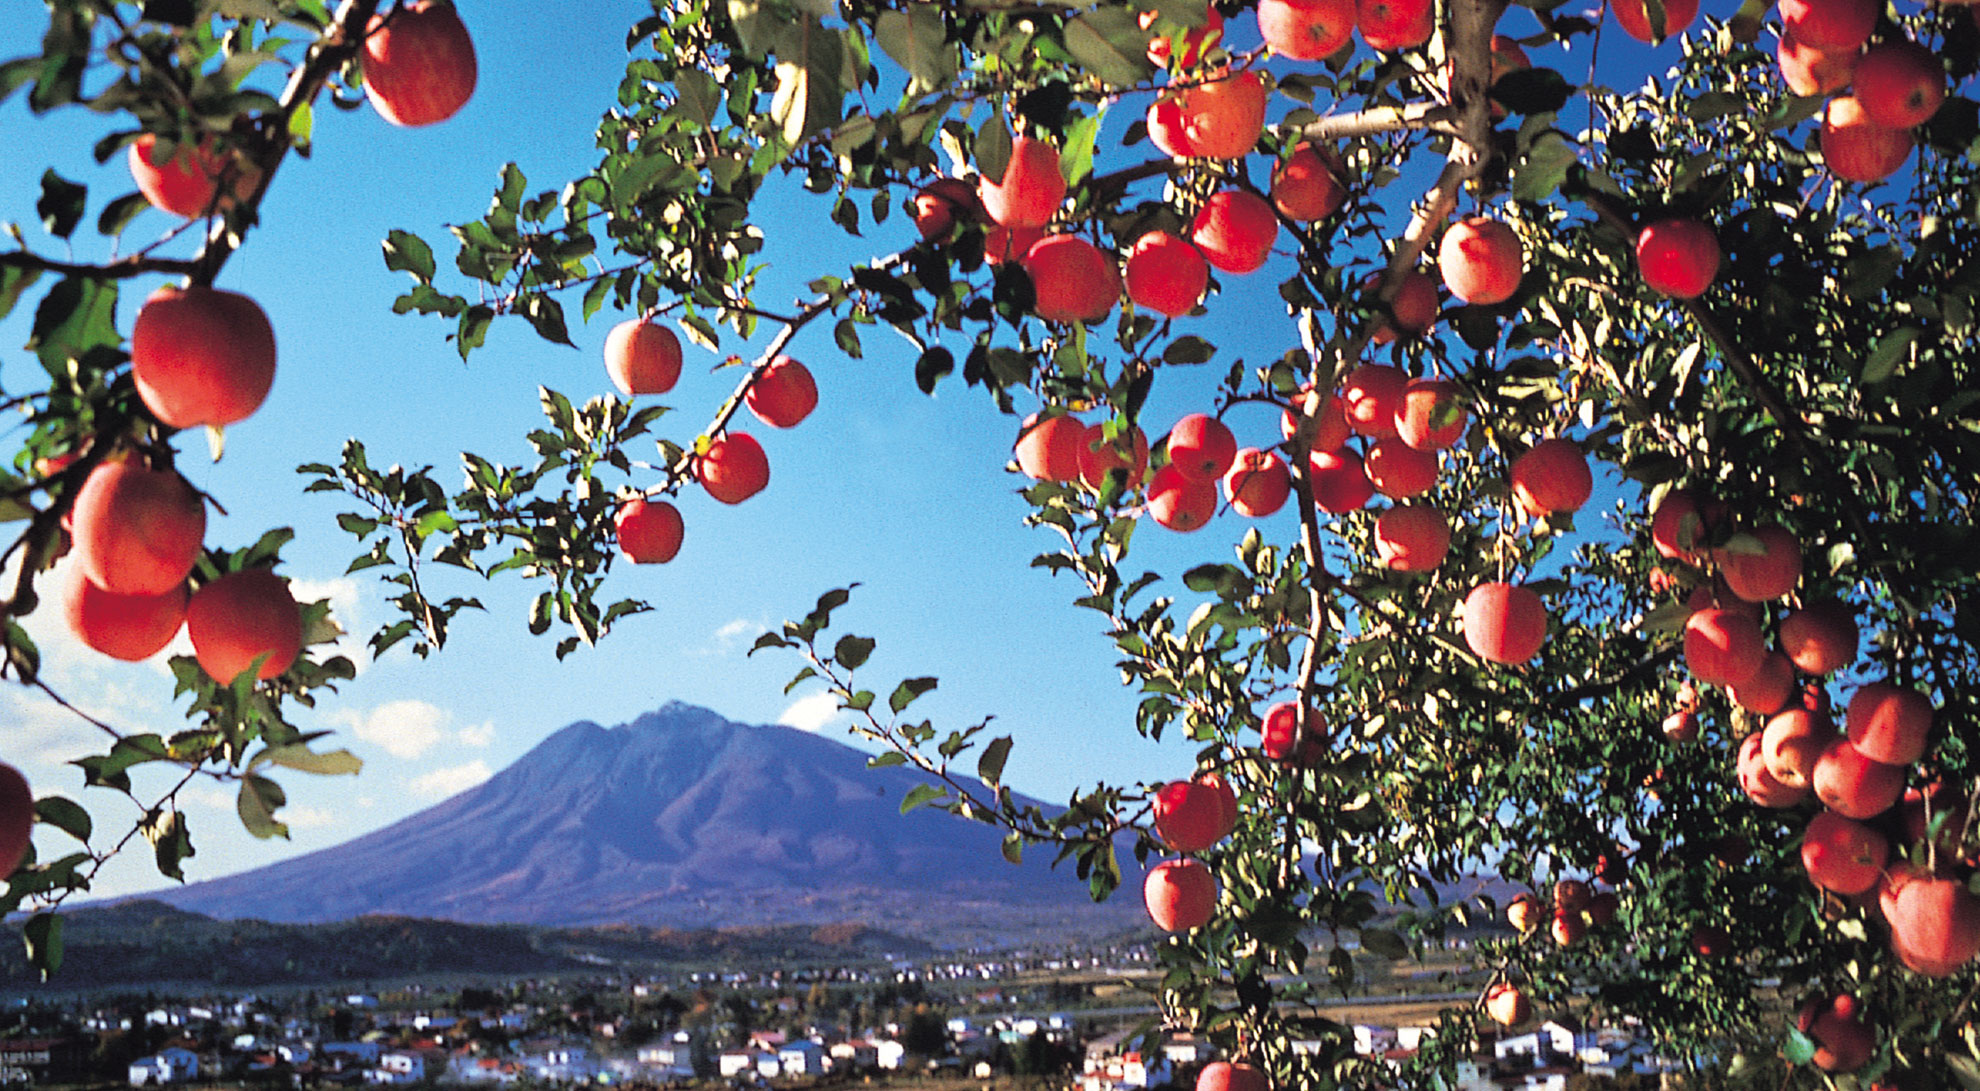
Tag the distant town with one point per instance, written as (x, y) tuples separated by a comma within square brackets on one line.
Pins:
[(1072, 1020)]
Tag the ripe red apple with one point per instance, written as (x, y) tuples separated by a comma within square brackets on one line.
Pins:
[(1852, 785), (1794, 738), (1413, 308), (1165, 126), (1856, 148), (1821, 637), (1760, 785), (941, 203), (642, 357), (649, 530), (1098, 457), (1180, 502), (1225, 1076), (1372, 395), (1682, 524), (1842, 1042), (201, 355), (1935, 922), (1679, 257), (783, 393), (1681, 727), (1432, 416), (418, 64), (1166, 274), (127, 627), (1634, 17), (1769, 689), (1305, 30), (1764, 575), (734, 467), (241, 617), (1393, 25), (1192, 815), (1048, 448), (1482, 260), (1507, 1006), (187, 183), (1504, 623), (1571, 895), (1723, 647), (16, 819), (1280, 737), (1889, 723), (1002, 244), (1201, 447), (1330, 424), (1339, 482), (1808, 71), (1235, 230), (1399, 471), (1180, 894), (1075, 280), (1195, 41), (1833, 25), (1552, 476), (1307, 185), (1412, 538), (1524, 913), (1947, 808), (1567, 928), (1602, 909), (1899, 83), (1843, 855), (1031, 189), (1257, 483), (137, 531), (1223, 116)]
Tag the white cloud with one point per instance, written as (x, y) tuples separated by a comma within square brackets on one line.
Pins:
[(207, 795), (479, 735), (732, 636), (405, 729), (307, 818), (451, 780), (813, 713)]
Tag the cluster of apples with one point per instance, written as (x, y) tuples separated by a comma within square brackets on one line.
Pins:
[(1895, 83), (1189, 816), (1858, 773), (644, 357), (205, 356), (1577, 907)]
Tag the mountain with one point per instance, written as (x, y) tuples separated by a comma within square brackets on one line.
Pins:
[(680, 819)]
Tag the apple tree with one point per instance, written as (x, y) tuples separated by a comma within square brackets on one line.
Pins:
[(1629, 435)]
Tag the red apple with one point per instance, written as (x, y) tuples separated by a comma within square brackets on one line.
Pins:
[(1180, 502), (783, 393), (1235, 230), (1889, 723), (941, 203), (1372, 395), (642, 357), (1165, 126), (241, 617), (1507, 1006), (1856, 148), (1048, 448), (1195, 41), (1833, 25), (1180, 894), (1567, 928), (1808, 71), (137, 531), (187, 183), (1432, 416), (16, 819), (127, 627), (1524, 913), (1098, 457), (1679, 257), (1339, 482), (1307, 185), (202, 356), (1003, 244), (418, 64), (1723, 647), (1412, 309), (1412, 538), (1305, 30), (1852, 785), (649, 530), (1399, 471), (1482, 260), (1634, 17), (1900, 83), (1792, 742), (1821, 637), (1769, 689), (1075, 280), (1201, 447), (1935, 922), (1760, 565), (1552, 477), (1504, 623), (1030, 190), (1225, 1076), (1330, 423), (1192, 815), (1257, 483), (1392, 25), (1223, 116), (1166, 274), (734, 467)]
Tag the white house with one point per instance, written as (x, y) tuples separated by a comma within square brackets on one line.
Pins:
[(1372, 1041), (803, 1057), (169, 1065), (735, 1062), (851, 1056), (889, 1053), (397, 1066)]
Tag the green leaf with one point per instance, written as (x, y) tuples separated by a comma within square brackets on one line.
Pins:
[(920, 795), (171, 844), (65, 815), (907, 691), (61, 205), (1014, 847), (852, 651), (1189, 349), (12, 283), (993, 148), (1799, 1048), (258, 801), (990, 766), (302, 126), (1383, 943), (808, 92), (547, 315), (300, 757), (1891, 350), (75, 316), (1544, 168), (43, 934), (118, 214), (406, 252), (1109, 41), (918, 42)]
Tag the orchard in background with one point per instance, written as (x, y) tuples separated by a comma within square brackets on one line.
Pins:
[(1617, 536)]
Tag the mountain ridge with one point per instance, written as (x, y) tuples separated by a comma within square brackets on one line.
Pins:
[(679, 818)]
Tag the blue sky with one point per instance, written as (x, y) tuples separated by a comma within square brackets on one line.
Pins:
[(904, 493)]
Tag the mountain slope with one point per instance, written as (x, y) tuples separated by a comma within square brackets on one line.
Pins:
[(681, 819)]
